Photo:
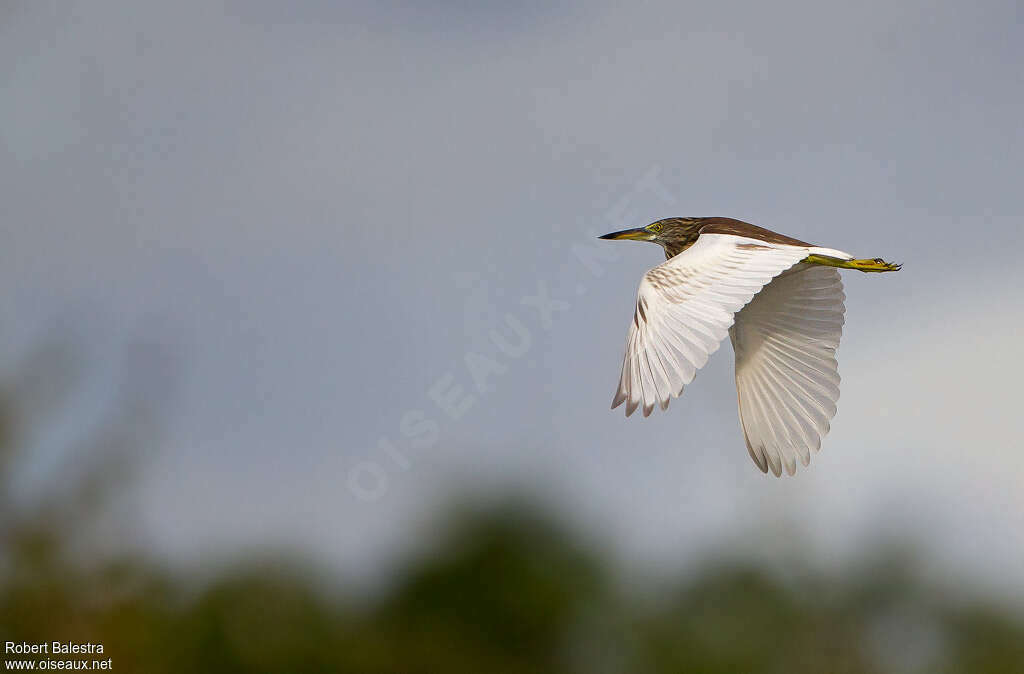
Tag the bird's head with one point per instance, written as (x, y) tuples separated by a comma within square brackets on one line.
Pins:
[(673, 234)]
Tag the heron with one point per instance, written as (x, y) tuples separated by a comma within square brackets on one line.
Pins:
[(780, 300)]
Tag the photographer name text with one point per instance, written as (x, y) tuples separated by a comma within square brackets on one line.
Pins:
[(52, 648)]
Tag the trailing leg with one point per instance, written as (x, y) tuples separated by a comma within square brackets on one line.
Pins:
[(865, 265)]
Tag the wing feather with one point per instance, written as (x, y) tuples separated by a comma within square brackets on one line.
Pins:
[(684, 310), (787, 378)]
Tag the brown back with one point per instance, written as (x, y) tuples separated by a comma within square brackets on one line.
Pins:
[(740, 228)]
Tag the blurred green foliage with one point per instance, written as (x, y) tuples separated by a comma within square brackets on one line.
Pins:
[(501, 590)]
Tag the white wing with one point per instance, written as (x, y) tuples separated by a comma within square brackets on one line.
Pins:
[(786, 371), (684, 309)]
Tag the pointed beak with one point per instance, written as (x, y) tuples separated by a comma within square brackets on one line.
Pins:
[(638, 234)]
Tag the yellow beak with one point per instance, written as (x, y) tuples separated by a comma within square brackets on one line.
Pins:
[(638, 234)]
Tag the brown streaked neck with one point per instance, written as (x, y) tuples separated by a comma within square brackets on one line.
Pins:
[(677, 246)]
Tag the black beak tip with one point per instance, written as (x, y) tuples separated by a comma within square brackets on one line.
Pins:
[(607, 236)]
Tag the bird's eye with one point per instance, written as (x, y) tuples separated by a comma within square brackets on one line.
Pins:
[(656, 228)]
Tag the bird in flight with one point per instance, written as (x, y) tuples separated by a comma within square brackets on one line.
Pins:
[(780, 300)]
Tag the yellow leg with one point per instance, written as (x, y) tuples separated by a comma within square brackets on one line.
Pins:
[(874, 265)]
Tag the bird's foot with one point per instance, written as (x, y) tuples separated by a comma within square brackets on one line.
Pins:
[(874, 265)]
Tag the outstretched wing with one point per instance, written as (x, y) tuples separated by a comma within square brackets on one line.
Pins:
[(787, 378), (684, 309)]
